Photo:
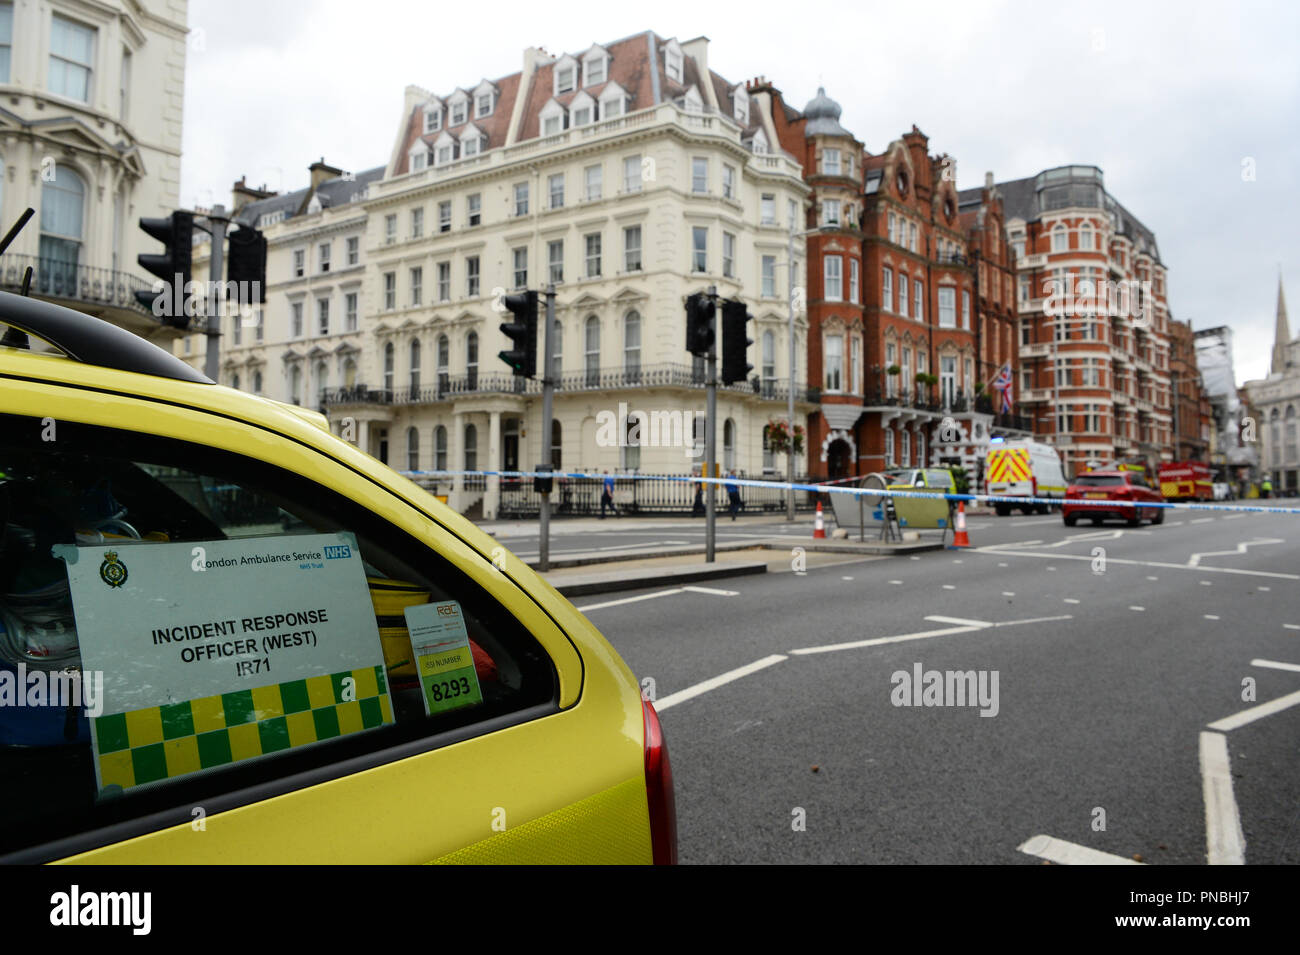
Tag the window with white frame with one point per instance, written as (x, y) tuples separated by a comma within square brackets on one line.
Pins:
[(830, 162), (593, 255), (1060, 239), (472, 145), (1024, 290), (632, 343), (432, 119), (893, 222), (907, 370), (390, 228), (595, 70), (853, 280), (592, 354), (474, 208), (728, 182), (417, 222), (295, 320), (965, 309), (444, 216), (521, 198), (834, 363), (833, 278), (350, 312), (769, 362), (912, 236), (769, 276), (72, 56), (299, 263), (891, 381), (902, 295), (907, 447), (887, 289), (632, 174), (741, 111), (699, 175), (673, 65), (553, 124), (352, 250), (830, 212), (918, 300), (728, 254), (323, 316), (555, 260), (521, 267), (419, 157), (584, 113), (459, 112), (444, 281), (390, 291), (767, 209), (566, 78), (593, 179), (947, 307), (555, 186), (889, 446), (699, 249), (632, 248), (613, 101), (848, 165), (417, 285), (471, 276), (485, 103), (855, 365)]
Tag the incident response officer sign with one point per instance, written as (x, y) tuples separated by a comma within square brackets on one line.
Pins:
[(224, 651)]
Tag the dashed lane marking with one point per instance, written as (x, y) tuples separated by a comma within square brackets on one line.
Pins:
[(1275, 665), (1069, 853)]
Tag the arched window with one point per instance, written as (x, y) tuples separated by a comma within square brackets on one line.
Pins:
[(350, 373), (234, 381), (1060, 239), (440, 448), (415, 367), (257, 382), (63, 209), (728, 444), (471, 448), (322, 382), (632, 346), (412, 449), (388, 367), (471, 361), (444, 359), (1086, 240), (593, 350), (295, 384), (557, 440)]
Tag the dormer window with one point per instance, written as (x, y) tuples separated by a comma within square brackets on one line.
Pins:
[(472, 146), (582, 111), (419, 159), (693, 102), (432, 119), (566, 75), (759, 143), (613, 101), (484, 106), (444, 150), (673, 62), (552, 119), (459, 111), (741, 110), (595, 68)]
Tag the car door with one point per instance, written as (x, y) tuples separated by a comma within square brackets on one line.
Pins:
[(534, 754)]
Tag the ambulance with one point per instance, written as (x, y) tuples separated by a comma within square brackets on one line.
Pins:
[(1023, 469)]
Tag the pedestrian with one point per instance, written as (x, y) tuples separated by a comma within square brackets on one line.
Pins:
[(607, 495), (733, 495), (1266, 487), (697, 509)]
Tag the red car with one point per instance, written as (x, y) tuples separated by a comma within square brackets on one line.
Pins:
[(1111, 486)]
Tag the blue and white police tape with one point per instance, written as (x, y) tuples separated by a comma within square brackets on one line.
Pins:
[(865, 491)]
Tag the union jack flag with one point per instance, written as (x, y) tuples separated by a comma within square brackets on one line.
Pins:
[(1002, 384)]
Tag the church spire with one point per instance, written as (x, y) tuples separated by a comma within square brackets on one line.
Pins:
[(1282, 336)]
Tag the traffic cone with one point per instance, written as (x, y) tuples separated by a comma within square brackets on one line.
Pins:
[(819, 528), (959, 538)]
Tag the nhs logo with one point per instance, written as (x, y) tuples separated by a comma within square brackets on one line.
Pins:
[(335, 551)]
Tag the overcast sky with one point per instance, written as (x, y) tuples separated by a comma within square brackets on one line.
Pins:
[(1169, 99)]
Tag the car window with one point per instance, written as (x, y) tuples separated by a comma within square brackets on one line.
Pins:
[(1099, 480), (938, 478), (227, 624)]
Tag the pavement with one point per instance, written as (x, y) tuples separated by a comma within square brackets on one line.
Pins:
[(1125, 674)]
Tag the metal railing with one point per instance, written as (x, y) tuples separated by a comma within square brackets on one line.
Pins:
[(580, 497), (446, 387), (54, 278)]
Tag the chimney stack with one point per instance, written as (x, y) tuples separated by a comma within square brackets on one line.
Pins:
[(320, 171)]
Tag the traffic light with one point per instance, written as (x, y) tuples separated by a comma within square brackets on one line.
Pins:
[(176, 232), (735, 346), (523, 332), (247, 265), (699, 324)]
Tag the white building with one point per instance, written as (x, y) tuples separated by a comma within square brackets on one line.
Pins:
[(629, 175), (91, 99), (1277, 399)]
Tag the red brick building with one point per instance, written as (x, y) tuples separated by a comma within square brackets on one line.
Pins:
[(1192, 413)]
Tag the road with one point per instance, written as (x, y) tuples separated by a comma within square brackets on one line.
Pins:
[(1114, 649)]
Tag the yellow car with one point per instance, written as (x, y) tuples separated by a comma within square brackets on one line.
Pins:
[(227, 635)]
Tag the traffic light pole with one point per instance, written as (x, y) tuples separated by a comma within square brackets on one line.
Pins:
[(710, 433), (217, 223), (548, 391)]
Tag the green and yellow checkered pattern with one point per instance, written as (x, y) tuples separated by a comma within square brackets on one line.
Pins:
[(162, 742)]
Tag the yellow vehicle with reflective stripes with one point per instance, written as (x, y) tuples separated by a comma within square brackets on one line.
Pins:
[(1023, 469), (262, 645)]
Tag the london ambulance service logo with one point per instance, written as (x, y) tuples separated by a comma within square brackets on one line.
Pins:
[(112, 571)]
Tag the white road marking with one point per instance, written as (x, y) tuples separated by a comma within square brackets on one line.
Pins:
[(1275, 665), (1018, 623), (1205, 583), (1069, 853), (955, 561), (1202, 520), (1002, 565), (1153, 578), (1173, 523), (1225, 843), (995, 550), (1195, 559), (1051, 568), (949, 587), (1210, 616), (1234, 517), (914, 557), (1238, 720), (1138, 609), (681, 696), (712, 590), (1291, 626), (631, 600), (878, 641), (640, 546), (1071, 600), (846, 578), (896, 582), (1265, 589), (1008, 593), (960, 621)]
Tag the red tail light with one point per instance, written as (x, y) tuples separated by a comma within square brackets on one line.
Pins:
[(659, 790)]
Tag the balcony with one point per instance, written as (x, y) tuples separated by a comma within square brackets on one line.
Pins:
[(77, 285)]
